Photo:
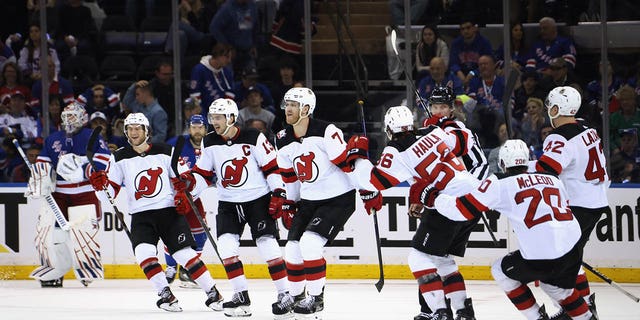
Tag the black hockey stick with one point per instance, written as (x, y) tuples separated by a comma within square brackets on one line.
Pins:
[(175, 157), (506, 98), (380, 282), (609, 281), (407, 72), (91, 146)]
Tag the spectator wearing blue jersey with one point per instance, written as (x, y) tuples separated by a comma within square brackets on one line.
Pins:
[(550, 46), (438, 77), (594, 87), (487, 88), (519, 51), (212, 78), (235, 24), (466, 49), (100, 98), (249, 80)]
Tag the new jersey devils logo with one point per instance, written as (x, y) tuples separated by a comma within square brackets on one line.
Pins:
[(148, 184), (306, 169), (234, 172)]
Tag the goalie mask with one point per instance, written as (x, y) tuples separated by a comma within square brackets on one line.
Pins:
[(513, 153), (566, 99), (226, 107), (398, 119), (136, 119), (74, 117)]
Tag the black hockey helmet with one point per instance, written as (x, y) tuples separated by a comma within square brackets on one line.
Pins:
[(442, 95)]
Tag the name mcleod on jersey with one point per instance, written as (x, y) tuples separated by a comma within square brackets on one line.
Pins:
[(528, 181)]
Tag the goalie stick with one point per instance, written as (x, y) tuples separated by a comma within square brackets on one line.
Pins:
[(51, 203), (380, 282), (175, 157), (91, 144)]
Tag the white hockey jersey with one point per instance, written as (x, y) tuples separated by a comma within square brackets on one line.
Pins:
[(246, 165), (467, 148), (313, 167), (146, 176), (574, 153), (427, 157), (536, 205)]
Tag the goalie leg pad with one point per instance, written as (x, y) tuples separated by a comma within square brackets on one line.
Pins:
[(84, 246), (54, 255)]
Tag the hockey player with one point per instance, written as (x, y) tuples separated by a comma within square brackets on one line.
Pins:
[(574, 153), (427, 159), (77, 248), (250, 191), (146, 172), (189, 155), (536, 205), (311, 157)]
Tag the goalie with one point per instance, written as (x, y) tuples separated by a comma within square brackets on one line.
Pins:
[(67, 240)]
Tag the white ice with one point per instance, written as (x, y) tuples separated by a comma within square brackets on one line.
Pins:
[(344, 299)]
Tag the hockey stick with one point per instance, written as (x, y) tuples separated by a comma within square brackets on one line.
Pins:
[(506, 98), (93, 138), (373, 212), (407, 72), (177, 150), (51, 203), (609, 281)]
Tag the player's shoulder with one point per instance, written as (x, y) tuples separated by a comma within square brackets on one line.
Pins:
[(123, 153), (318, 128), (403, 142), (248, 136), (160, 148), (285, 137), (568, 131), (212, 139)]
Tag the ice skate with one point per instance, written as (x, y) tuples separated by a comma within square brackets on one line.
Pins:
[(310, 308), (185, 280), (170, 273), (214, 299), (467, 312), (239, 306), (283, 308), (441, 314), (86, 282), (168, 301), (591, 302), (55, 283), (543, 314)]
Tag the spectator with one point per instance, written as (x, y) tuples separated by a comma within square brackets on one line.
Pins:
[(559, 75), (29, 61), (190, 107), (430, 46), (417, 10), (22, 172), (10, 159), (628, 116), (625, 160), (284, 82), (163, 90), (100, 98), (288, 27), (594, 88), (18, 122), (132, 8), (503, 136), (487, 87), (212, 78), (250, 80), (6, 55), (57, 85), (77, 30), (140, 98), (466, 49), (519, 51), (545, 130), (55, 113), (235, 24), (195, 17), (528, 89), (254, 109), (99, 119), (438, 77), (12, 80), (550, 46), (533, 121)]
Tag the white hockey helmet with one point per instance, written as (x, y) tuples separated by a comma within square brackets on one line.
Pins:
[(398, 119), (513, 153), (567, 99), (137, 119), (74, 117), (304, 96), (224, 106)]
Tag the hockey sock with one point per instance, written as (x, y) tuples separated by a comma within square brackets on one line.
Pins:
[(315, 273), (523, 299), (235, 273), (582, 284), (430, 286), (455, 290), (575, 306), (171, 262), (196, 269), (201, 239), (153, 271), (297, 280), (278, 272)]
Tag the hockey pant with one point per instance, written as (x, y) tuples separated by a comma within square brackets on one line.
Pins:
[(77, 249)]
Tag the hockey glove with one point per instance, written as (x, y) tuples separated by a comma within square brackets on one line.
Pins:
[(357, 148), (278, 197), (372, 200), (420, 192), (289, 210), (434, 120), (181, 201), (40, 182), (99, 180), (189, 180), (71, 167)]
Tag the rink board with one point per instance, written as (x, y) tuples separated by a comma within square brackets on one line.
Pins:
[(613, 248)]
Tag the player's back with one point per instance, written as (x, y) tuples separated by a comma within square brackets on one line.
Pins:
[(537, 207), (470, 151), (574, 152)]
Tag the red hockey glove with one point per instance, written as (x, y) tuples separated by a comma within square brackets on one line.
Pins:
[(416, 189), (278, 197), (434, 120), (421, 193), (181, 201), (357, 148), (289, 210), (99, 180), (372, 200), (189, 180)]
